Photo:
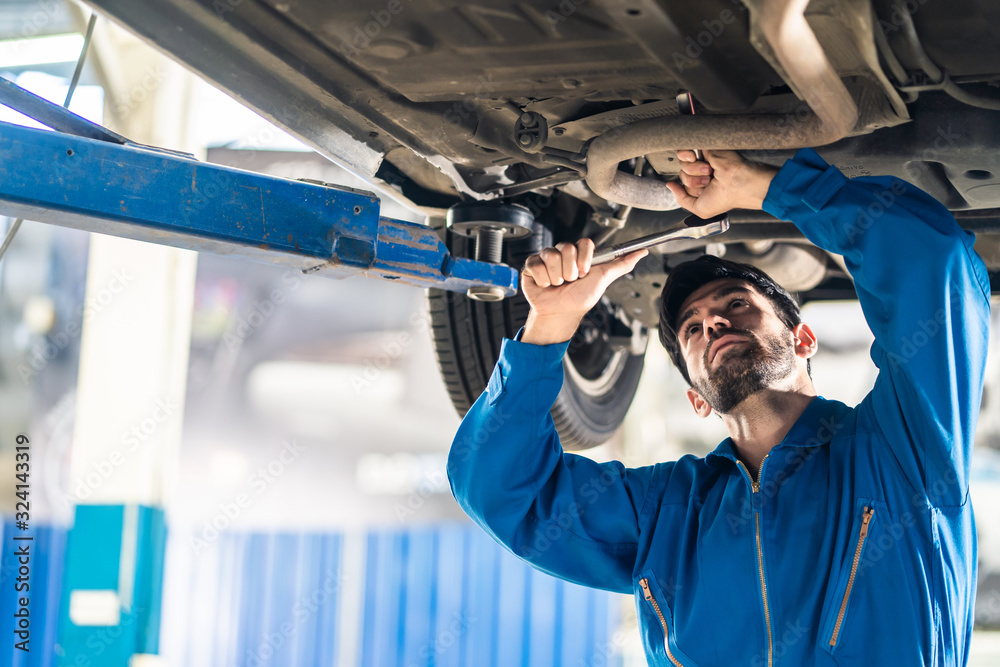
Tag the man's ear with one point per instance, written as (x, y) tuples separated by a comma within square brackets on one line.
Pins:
[(805, 340), (700, 405)]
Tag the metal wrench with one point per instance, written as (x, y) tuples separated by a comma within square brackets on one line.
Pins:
[(696, 228), (611, 253)]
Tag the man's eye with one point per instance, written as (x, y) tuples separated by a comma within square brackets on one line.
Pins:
[(692, 330), (734, 302)]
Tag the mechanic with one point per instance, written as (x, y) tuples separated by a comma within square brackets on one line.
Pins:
[(816, 533)]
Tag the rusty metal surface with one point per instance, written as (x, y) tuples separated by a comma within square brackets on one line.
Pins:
[(147, 195), (831, 116)]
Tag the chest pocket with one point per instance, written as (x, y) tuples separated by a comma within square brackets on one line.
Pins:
[(654, 613), (844, 607)]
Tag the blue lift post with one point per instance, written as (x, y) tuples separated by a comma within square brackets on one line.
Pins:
[(86, 177)]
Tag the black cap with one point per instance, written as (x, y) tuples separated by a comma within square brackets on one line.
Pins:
[(685, 278)]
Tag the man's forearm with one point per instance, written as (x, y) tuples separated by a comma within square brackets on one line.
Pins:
[(548, 330)]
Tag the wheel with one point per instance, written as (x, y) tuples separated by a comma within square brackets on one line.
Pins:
[(600, 375)]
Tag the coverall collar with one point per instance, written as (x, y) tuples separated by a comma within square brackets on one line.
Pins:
[(816, 426)]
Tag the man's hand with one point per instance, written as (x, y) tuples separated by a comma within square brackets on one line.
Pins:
[(561, 287), (722, 182)]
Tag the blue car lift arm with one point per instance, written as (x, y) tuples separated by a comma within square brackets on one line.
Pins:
[(86, 177)]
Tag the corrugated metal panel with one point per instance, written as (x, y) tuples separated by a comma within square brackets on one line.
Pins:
[(47, 551), (437, 596), (252, 600)]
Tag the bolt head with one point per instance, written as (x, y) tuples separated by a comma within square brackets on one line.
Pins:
[(486, 293)]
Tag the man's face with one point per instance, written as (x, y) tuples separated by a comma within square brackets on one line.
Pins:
[(733, 342)]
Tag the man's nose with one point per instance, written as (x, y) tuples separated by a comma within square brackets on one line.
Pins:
[(715, 325)]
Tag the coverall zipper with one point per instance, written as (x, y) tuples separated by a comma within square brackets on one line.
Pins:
[(644, 583), (755, 487), (862, 534)]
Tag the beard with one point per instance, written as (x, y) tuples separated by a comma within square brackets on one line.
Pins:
[(745, 372)]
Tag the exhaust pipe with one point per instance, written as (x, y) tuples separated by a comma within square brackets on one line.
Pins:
[(801, 61)]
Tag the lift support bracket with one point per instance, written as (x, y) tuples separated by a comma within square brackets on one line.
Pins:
[(83, 176)]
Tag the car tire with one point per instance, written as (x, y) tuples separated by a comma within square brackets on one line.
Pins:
[(599, 379)]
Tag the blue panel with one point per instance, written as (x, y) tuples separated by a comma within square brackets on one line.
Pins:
[(512, 621), (482, 563), (93, 556), (47, 573), (47, 551), (160, 197), (542, 611), (385, 593), (419, 599), (231, 603), (576, 624), (274, 641), (455, 618), (259, 599), (434, 596), (558, 627), (151, 538), (315, 611)]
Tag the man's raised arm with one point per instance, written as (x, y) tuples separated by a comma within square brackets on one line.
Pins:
[(925, 295), (565, 514)]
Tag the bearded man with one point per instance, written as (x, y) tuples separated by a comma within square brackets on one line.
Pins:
[(816, 533)]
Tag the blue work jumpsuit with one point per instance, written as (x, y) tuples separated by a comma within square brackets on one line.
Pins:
[(855, 545)]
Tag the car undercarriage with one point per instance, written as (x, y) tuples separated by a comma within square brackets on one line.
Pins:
[(539, 122)]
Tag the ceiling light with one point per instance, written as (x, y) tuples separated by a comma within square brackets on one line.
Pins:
[(40, 50)]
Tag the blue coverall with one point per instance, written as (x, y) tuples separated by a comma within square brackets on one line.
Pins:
[(857, 546)]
